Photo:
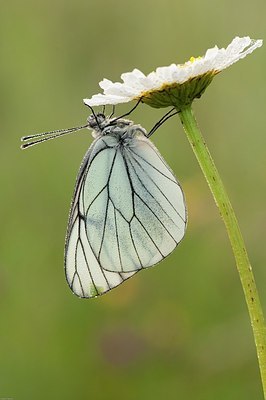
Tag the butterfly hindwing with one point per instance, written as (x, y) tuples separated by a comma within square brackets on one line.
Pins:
[(84, 274)]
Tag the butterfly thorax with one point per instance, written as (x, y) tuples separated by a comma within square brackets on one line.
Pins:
[(123, 130)]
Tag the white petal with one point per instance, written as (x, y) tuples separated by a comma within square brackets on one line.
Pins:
[(240, 48), (211, 53), (101, 99), (133, 78), (119, 89), (105, 84), (166, 74)]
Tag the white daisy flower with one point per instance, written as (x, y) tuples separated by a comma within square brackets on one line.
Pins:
[(177, 84)]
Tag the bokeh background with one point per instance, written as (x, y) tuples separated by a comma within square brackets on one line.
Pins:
[(181, 329)]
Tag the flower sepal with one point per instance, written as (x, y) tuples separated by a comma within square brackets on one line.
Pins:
[(178, 95)]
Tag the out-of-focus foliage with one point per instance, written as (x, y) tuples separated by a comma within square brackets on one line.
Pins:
[(179, 330)]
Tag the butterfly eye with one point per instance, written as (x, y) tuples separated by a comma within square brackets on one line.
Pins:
[(100, 116)]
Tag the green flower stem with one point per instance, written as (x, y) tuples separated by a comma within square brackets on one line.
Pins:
[(242, 262)]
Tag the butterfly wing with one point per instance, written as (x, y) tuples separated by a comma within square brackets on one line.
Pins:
[(128, 213), (160, 215), (145, 215), (84, 273)]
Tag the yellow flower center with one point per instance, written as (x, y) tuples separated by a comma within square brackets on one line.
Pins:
[(192, 59)]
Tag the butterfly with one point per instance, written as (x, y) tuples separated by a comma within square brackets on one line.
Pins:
[(128, 210)]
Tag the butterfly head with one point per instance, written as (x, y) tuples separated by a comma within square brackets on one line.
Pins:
[(97, 121), (102, 125)]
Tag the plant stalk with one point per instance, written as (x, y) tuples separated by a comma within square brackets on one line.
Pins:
[(240, 253)]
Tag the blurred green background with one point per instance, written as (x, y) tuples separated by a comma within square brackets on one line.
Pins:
[(181, 329)]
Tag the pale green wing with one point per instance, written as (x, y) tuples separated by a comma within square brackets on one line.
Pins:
[(84, 274), (140, 216), (128, 213)]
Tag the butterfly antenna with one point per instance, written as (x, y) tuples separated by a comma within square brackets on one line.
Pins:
[(44, 136), (166, 116), (95, 116), (129, 112), (112, 113)]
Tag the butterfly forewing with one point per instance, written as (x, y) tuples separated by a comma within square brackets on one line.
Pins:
[(128, 213)]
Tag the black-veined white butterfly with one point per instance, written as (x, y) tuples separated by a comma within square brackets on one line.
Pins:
[(128, 211)]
